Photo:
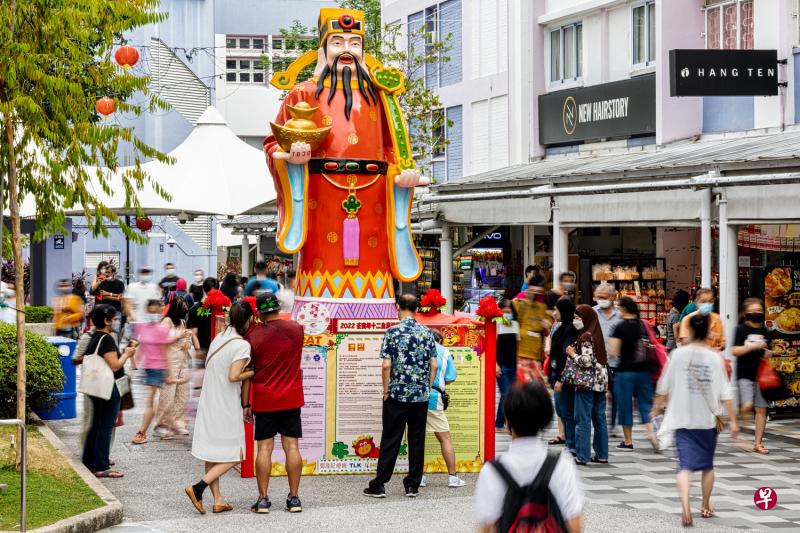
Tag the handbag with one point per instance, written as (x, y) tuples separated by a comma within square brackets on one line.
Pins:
[(719, 422), (97, 378), (646, 351), (576, 371), (770, 383), (125, 393), (445, 398)]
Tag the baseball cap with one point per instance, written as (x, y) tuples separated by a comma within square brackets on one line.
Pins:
[(266, 302)]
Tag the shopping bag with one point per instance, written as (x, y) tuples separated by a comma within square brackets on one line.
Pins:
[(97, 378), (770, 383)]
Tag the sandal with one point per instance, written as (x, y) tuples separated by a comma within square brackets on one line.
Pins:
[(556, 441), (139, 438), (113, 474), (601, 461), (707, 512), (759, 448)]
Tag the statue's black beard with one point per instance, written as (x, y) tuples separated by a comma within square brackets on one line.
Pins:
[(365, 85)]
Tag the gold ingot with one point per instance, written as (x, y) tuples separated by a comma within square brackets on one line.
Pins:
[(300, 128)]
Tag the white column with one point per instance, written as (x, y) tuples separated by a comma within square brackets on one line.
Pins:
[(245, 256), (559, 252), (519, 79), (528, 245), (706, 242), (258, 248), (446, 266), (728, 272)]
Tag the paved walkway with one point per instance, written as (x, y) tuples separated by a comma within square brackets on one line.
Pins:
[(635, 493)]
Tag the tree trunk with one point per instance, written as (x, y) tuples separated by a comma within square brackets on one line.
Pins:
[(19, 277)]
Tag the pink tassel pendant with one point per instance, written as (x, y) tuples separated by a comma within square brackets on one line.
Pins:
[(351, 234)]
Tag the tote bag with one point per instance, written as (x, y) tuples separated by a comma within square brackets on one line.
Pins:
[(97, 378)]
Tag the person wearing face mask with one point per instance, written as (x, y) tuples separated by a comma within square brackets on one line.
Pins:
[(110, 291), (169, 282), (97, 443), (750, 347), (564, 336), (154, 337), (196, 288), (506, 370), (589, 351), (608, 316), (138, 295), (566, 284), (67, 310), (180, 290), (704, 303)]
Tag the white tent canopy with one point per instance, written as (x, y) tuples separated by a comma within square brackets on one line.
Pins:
[(214, 172)]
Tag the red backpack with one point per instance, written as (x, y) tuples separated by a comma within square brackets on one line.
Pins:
[(530, 508)]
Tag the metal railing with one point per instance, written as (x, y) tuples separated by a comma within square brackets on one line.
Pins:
[(23, 474)]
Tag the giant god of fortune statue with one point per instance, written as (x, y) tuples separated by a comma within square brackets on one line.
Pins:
[(341, 160)]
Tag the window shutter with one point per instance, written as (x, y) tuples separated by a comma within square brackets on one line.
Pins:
[(480, 137), (455, 150), (450, 24), (498, 128)]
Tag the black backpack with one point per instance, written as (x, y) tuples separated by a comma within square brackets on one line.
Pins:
[(531, 508)]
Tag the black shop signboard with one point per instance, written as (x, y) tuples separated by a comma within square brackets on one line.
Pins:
[(611, 110), (723, 72)]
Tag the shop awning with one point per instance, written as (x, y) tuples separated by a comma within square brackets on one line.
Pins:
[(505, 196)]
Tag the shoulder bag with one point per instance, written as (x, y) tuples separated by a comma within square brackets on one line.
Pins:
[(445, 397), (576, 371), (97, 378)]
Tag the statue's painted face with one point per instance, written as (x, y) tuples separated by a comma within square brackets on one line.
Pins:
[(347, 48), (344, 58)]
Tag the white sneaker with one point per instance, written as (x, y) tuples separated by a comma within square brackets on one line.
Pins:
[(455, 482), (424, 482)]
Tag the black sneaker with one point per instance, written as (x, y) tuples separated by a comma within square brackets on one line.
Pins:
[(375, 492), (411, 492), (262, 506), (625, 447), (293, 504)]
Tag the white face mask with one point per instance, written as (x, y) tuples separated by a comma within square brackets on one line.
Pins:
[(198, 279), (603, 304), (578, 323), (170, 271), (154, 317)]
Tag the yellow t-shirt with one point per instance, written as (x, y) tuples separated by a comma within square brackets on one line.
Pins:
[(716, 334)]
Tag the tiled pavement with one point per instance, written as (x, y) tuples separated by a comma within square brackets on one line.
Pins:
[(644, 480)]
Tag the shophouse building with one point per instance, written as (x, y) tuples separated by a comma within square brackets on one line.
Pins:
[(630, 183)]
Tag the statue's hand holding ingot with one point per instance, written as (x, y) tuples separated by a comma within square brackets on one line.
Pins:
[(410, 178), (299, 154)]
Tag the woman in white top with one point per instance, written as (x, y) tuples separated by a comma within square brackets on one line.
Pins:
[(693, 386), (219, 431)]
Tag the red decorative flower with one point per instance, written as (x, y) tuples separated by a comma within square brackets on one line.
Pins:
[(488, 308), (433, 301), (216, 298), (252, 301)]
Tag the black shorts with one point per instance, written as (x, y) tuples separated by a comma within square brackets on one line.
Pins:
[(286, 423)]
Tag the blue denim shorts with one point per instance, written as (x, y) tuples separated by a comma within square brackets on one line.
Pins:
[(154, 377)]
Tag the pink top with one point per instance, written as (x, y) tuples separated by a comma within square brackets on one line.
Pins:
[(153, 338)]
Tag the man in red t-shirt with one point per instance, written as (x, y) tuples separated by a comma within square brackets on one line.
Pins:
[(277, 396)]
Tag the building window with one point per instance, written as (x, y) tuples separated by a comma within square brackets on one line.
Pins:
[(254, 44), (729, 25), (426, 28), (644, 34), (244, 70), (566, 47), (431, 38)]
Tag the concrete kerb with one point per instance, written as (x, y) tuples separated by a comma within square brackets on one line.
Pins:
[(94, 520)]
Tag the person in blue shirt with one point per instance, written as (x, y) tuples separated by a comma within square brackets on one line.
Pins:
[(261, 283), (533, 277), (437, 420)]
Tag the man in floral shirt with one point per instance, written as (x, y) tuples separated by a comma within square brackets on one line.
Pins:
[(409, 368)]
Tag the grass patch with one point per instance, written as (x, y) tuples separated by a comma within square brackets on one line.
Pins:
[(55, 491)]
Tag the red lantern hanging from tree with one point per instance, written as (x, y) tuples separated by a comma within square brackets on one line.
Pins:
[(105, 106), (127, 56), (144, 224)]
